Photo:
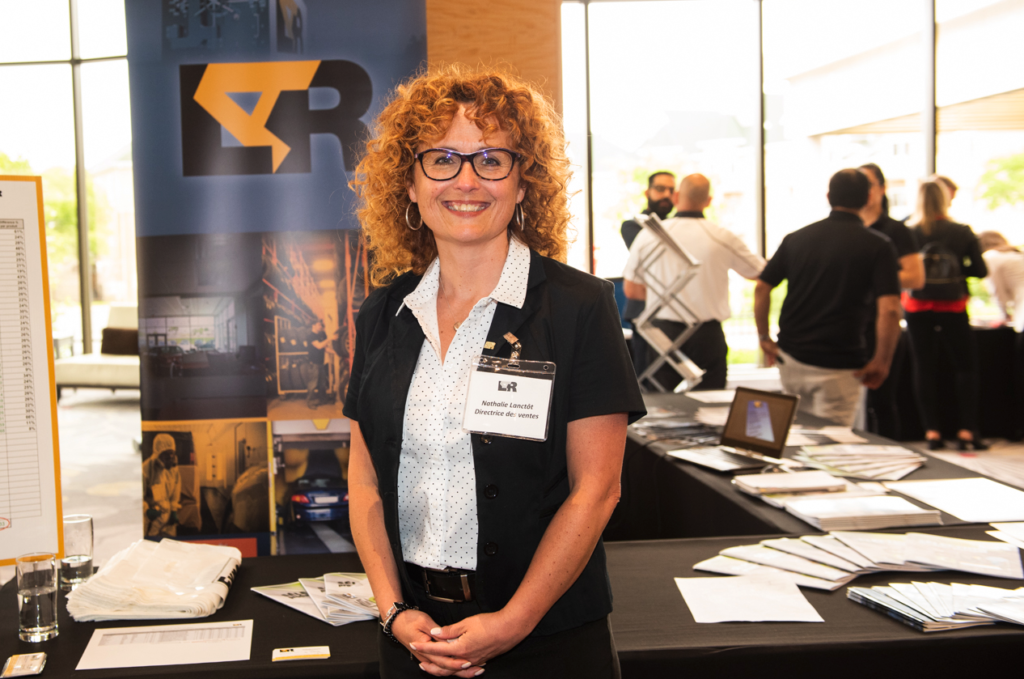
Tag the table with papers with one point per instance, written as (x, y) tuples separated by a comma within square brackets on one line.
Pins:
[(667, 498), (654, 630)]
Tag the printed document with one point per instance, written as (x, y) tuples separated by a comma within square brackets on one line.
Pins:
[(760, 597), (168, 645), (974, 500)]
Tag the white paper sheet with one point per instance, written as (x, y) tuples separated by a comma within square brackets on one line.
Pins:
[(787, 562), (726, 565), (1015, 529), (713, 395), (997, 559), (974, 500), (760, 597), (1006, 537), (157, 645)]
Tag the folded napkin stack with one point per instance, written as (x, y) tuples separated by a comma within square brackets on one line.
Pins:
[(155, 581)]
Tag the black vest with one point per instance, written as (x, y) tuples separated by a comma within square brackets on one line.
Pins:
[(567, 318)]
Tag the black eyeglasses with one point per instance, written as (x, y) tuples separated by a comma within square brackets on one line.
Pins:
[(444, 164), (661, 189)]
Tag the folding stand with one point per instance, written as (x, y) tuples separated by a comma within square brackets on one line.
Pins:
[(662, 294)]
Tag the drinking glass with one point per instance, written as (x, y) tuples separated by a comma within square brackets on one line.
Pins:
[(37, 596), (76, 566)]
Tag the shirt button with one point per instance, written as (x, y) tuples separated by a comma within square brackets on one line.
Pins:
[(486, 440), (491, 492), (491, 548)]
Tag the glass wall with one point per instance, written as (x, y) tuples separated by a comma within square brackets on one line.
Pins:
[(980, 98), (682, 86), (687, 103), (37, 136), (851, 93)]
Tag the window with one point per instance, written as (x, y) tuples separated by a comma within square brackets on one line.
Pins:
[(37, 136), (980, 121), (852, 93)]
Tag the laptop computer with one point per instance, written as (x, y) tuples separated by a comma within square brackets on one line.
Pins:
[(754, 434)]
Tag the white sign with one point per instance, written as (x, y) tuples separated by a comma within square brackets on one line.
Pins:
[(30, 513)]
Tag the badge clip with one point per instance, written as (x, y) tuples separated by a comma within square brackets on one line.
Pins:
[(513, 361)]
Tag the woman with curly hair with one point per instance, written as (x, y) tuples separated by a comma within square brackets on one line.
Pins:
[(481, 547)]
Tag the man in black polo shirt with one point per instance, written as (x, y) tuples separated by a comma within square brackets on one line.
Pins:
[(882, 412), (835, 268)]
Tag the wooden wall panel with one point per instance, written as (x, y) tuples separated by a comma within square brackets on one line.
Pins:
[(523, 33)]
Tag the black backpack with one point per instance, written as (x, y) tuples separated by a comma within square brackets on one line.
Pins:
[(943, 276)]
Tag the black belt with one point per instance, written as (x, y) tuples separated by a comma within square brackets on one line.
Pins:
[(450, 585)]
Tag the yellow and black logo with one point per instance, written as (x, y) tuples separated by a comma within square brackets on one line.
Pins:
[(274, 136)]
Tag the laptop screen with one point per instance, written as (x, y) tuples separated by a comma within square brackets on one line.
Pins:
[(759, 421)]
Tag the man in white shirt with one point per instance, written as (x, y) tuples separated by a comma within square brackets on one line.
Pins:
[(707, 295)]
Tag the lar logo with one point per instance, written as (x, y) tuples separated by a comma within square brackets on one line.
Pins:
[(275, 135)]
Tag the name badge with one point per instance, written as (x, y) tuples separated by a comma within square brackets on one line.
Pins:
[(509, 397)]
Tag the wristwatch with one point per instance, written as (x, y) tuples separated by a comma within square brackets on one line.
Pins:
[(765, 338), (389, 619)]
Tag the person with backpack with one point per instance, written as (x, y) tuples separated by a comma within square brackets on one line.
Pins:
[(937, 317)]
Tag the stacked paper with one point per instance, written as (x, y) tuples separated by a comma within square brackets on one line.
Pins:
[(872, 462), (1011, 533), (974, 500), (852, 489), (335, 598), (861, 513), (830, 561), (937, 607), (153, 581), (795, 482)]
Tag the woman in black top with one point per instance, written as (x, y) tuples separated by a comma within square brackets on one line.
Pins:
[(937, 317), (882, 412), (482, 548)]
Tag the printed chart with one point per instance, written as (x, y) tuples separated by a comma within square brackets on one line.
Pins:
[(29, 460)]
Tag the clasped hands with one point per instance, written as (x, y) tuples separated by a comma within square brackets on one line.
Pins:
[(458, 650)]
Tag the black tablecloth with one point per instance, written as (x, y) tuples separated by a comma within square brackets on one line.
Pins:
[(998, 412), (654, 632), (353, 647), (666, 498), (656, 636)]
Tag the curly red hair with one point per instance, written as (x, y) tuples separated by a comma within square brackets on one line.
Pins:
[(422, 110)]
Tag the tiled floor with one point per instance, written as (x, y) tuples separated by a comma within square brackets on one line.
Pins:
[(101, 472)]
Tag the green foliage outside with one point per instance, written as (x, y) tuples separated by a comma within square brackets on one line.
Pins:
[(1003, 182), (60, 212)]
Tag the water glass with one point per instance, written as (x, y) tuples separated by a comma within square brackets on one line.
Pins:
[(37, 596), (76, 566)]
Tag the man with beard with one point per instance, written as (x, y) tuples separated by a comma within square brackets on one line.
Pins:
[(718, 250), (660, 186)]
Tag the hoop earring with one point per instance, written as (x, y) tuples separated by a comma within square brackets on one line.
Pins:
[(409, 223), (518, 216)]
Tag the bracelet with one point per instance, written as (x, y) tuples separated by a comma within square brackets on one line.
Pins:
[(765, 338), (392, 613)]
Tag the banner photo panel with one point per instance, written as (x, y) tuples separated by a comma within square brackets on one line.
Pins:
[(208, 480), (251, 116)]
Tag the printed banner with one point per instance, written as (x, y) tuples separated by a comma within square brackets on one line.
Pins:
[(248, 120)]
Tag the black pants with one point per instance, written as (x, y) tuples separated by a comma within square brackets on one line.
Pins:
[(584, 652), (883, 411), (706, 348), (934, 334), (640, 351)]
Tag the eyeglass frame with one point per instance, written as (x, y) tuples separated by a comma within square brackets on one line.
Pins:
[(463, 157)]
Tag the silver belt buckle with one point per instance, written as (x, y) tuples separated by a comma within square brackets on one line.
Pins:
[(467, 595)]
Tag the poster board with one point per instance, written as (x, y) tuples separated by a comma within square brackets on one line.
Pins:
[(30, 499), (248, 122)]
